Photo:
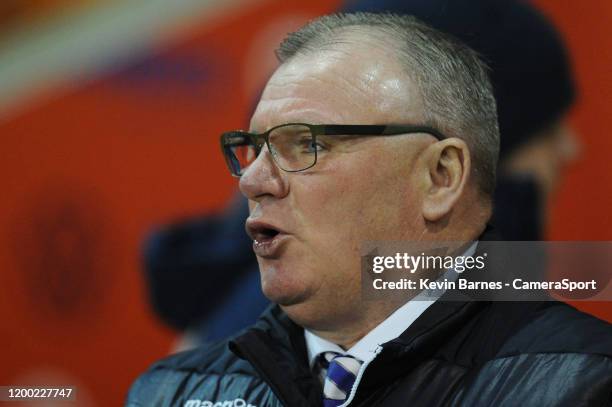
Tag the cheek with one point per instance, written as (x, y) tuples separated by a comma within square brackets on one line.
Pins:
[(330, 209), (357, 203)]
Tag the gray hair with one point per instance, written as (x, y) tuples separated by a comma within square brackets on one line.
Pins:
[(452, 79)]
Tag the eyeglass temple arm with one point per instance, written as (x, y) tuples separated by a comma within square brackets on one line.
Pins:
[(373, 130)]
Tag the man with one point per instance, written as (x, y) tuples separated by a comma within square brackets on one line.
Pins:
[(202, 273), (407, 152)]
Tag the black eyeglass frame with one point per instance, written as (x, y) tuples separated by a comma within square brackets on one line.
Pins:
[(228, 139)]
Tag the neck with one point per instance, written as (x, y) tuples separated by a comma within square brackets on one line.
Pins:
[(348, 334)]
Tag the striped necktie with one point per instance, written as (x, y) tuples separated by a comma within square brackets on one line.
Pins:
[(341, 374)]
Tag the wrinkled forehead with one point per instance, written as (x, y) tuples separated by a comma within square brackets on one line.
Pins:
[(352, 81)]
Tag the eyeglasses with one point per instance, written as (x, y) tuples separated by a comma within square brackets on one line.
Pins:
[(295, 146)]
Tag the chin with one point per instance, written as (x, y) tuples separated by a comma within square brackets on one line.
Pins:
[(282, 287)]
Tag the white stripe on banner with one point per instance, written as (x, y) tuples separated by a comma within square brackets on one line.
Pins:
[(38, 58)]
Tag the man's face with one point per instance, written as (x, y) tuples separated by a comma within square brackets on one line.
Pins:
[(360, 189)]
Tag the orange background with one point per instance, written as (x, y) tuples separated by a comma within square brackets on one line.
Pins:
[(90, 169)]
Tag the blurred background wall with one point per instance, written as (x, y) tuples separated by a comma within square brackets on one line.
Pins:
[(109, 119)]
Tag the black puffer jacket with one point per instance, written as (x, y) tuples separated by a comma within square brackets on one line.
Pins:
[(455, 354)]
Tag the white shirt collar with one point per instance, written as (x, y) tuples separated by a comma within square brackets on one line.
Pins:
[(365, 349)]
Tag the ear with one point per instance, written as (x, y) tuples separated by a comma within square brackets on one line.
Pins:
[(447, 168)]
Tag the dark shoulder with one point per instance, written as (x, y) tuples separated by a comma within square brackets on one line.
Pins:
[(545, 354), (214, 358), (502, 329), (167, 376), (556, 327)]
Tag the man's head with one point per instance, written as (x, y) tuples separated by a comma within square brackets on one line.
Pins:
[(367, 69)]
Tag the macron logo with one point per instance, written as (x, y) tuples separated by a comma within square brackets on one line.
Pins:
[(226, 403)]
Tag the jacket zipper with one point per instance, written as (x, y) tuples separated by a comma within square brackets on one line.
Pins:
[(358, 378)]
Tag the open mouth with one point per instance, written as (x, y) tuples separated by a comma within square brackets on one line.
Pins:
[(267, 239), (265, 234), (262, 231)]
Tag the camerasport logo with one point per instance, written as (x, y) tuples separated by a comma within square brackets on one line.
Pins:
[(61, 250)]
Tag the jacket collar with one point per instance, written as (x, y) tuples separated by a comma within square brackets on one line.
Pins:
[(276, 348)]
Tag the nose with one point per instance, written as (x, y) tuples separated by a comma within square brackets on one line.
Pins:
[(263, 178)]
